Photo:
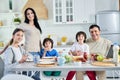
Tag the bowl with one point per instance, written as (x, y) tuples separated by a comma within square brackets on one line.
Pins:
[(78, 63)]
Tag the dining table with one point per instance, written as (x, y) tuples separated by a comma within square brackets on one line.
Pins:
[(31, 66)]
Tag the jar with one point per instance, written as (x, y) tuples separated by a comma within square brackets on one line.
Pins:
[(1, 23), (1, 44)]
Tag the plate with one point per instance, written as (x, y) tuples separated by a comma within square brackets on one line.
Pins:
[(29, 60), (45, 63), (48, 57), (45, 60)]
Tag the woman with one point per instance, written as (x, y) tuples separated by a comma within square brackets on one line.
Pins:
[(33, 32), (14, 53)]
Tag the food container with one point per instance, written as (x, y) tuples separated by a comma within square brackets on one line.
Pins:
[(1, 44), (64, 40), (1, 23)]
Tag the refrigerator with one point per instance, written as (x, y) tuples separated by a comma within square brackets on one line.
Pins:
[(109, 22)]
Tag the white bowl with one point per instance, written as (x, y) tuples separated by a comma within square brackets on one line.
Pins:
[(63, 43), (78, 63)]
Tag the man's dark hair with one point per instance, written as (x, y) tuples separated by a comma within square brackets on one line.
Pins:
[(94, 25)]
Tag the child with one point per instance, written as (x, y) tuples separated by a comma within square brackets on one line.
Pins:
[(80, 48), (49, 51), (14, 53)]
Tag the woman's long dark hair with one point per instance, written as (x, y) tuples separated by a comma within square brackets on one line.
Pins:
[(35, 19), (11, 41)]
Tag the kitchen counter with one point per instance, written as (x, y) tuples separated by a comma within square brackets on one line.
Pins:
[(62, 46)]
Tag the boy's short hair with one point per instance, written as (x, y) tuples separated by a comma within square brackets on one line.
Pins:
[(46, 40), (79, 33)]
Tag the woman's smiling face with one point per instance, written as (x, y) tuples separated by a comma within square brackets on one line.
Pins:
[(30, 15), (18, 36)]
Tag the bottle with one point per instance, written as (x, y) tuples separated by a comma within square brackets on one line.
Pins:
[(115, 53)]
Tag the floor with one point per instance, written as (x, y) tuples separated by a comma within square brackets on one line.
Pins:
[(61, 78), (63, 75)]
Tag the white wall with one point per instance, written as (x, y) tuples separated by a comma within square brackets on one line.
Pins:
[(47, 25)]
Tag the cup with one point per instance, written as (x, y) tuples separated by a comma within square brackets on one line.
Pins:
[(61, 61), (36, 58)]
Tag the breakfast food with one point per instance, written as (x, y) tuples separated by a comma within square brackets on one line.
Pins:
[(78, 59), (68, 58), (100, 58)]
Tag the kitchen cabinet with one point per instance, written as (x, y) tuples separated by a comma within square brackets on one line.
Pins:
[(84, 11), (73, 11), (63, 11), (64, 49), (6, 28)]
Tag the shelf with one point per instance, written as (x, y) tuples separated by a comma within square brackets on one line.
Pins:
[(1, 47), (8, 27)]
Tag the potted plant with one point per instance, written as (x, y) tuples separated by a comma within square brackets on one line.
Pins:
[(17, 20)]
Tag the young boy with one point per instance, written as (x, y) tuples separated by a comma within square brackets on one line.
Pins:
[(80, 48), (48, 51)]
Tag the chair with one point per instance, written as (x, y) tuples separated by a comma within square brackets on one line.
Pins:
[(16, 77), (1, 68)]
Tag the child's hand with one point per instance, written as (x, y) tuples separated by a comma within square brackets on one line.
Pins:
[(78, 53), (46, 49), (23, 59)]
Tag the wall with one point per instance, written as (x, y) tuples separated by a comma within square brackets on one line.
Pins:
[(60, 30)]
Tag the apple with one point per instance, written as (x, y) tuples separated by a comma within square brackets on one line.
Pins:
[(94, 57), (68, 58), (100, 58), (85, 55)]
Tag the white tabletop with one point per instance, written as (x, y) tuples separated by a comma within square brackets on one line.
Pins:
[(30, 66)]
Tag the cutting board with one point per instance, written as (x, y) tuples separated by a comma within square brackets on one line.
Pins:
[(46, 65), (97, 63)]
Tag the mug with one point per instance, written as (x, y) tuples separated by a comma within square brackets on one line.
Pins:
[(60, 61)]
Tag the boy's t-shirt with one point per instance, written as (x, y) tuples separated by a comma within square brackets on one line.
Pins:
[(80, 47)]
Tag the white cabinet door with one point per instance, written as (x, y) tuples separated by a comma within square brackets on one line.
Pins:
[(63, 11), (73, 11), (89, 11), (63, 50), (84, 11), (79, 15)]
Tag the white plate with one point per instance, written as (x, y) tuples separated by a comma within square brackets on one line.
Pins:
[(48, 57), (29, 59), (46, 62)]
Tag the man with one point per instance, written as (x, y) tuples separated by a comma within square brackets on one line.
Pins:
[(98, 45)]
